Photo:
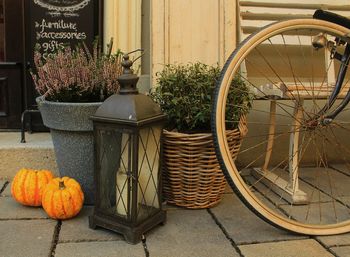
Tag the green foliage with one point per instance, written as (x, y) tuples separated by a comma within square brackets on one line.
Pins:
[(185, 92)]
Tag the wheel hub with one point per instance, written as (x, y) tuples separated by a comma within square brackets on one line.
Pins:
[(312, 124)]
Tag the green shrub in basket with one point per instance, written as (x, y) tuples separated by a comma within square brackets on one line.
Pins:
[(185, 94)]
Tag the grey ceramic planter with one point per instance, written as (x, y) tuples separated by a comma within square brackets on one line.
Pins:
[(72, 136)]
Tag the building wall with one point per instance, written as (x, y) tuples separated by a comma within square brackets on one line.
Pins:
[(192, 30), (180, 31), (122, 21)]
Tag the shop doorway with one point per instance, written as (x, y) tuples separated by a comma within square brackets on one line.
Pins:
[(23, 25), (11, 63)]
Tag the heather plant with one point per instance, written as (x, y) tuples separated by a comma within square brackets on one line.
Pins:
[(185, 93), (77, 75)]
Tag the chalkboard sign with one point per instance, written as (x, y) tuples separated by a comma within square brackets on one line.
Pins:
[(54, 23)]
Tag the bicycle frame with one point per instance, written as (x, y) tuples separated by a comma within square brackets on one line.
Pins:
[(344, 59)]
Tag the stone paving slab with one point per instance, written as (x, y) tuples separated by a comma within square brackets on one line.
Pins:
[(243, 226), (26, 238), (228, 189), (99, 249), (335, 240), (322, 178), (12, 160), (77, 229), (171, 207), (189, 233), (342, 251), (33, 140), (295, 248), (10, 209), (36, 153)]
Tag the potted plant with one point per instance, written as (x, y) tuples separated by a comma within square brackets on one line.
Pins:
[(191, 174), (72, 83)]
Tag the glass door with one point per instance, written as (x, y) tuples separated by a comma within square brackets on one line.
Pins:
[(11, 63), (2, 32)]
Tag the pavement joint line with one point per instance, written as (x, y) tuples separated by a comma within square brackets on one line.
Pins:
[(55, 238), (87, 241), (324, 192), (24, 219), (275, 241), (233, 243), (340, 171), (144, 244), (4, 187), (327, 248), (338, 245)]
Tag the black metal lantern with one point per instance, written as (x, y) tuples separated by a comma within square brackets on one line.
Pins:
[(127, 132)]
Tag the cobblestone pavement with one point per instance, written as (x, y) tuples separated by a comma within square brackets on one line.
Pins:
[(228, 229)]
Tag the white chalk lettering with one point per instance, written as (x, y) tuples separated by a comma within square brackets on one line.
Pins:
[(61, 35), (59, 25), (52, 46)]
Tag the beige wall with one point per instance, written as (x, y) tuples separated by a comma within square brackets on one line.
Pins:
[(181, 31), (192, 30), (122, 21)]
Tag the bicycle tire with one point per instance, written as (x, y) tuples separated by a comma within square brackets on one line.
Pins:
[(240, 182)]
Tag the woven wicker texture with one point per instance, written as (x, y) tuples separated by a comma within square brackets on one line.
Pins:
[(192, 177)]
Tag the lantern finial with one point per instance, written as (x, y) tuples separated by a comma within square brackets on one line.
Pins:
[(128, 79), (127, 63)]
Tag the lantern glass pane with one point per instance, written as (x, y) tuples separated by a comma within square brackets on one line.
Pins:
[(148, 171), (115, 165), (123, 182)]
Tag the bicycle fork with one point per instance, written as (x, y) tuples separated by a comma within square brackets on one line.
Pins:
[(344, 59)]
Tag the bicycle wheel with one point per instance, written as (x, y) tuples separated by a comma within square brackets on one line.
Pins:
[(291, 171)]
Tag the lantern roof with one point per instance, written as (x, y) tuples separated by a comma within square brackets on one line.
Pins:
[(132, 109), (128, 106)]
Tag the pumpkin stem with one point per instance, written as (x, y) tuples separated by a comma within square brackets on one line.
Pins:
[(61, 185)]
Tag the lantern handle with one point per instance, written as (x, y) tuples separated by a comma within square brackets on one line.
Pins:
[(137, 50)]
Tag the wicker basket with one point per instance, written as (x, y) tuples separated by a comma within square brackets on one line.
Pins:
[(192, 177)]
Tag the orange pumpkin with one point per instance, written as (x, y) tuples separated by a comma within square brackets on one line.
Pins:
[(27, 186), (62, 198)]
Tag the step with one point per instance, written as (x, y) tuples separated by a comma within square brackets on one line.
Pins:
[(36, 153)]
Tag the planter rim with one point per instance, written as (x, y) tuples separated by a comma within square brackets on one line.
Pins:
[(42, 99), (67, 116), (241, 128)]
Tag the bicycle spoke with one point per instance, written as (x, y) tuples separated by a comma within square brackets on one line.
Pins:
[(276, 74), (268, 112), (259, 110), (333, 188), (289, 63), (338, 144), (277, 135), (286, 169), (323, 82), (269, 189)]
